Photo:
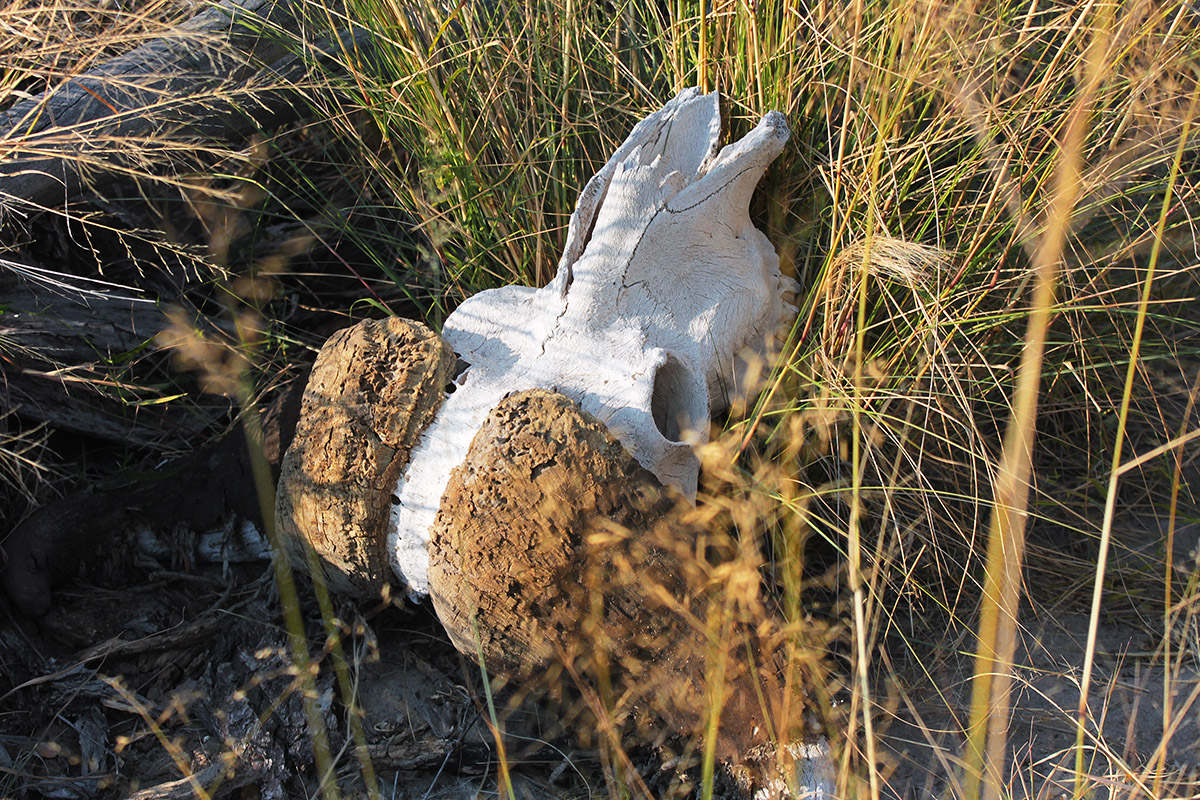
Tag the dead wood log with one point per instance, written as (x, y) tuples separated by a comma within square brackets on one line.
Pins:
[(215, 780), (197, 491), (429, 753), (64, 356), (182, 636), (212, 78)]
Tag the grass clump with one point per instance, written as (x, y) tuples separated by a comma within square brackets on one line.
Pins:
[(982, 421), (944, 157)]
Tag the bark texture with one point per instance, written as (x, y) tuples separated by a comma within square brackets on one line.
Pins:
[(63, 354), (373, 390), (196, 491)]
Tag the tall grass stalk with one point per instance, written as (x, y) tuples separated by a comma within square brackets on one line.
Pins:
[(988, 727), (289, 599), (854, 538), (1171, 616), (1110, 500), (717, 656), (495, 724), (231, 373)]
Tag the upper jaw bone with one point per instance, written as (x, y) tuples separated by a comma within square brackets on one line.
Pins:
[(664, 292)]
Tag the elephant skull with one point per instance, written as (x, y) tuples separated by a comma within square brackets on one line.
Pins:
[(664, 293)]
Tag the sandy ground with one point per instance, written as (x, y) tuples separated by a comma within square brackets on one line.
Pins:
[(1127, 732), (202, 660)]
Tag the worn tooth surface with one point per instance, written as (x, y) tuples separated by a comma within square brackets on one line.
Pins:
[(373, 390)]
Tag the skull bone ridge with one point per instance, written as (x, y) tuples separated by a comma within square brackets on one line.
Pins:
[(664, 294)]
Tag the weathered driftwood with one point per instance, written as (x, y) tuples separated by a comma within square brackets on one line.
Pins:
[(215, 780), (197, 492), (211, 78), (200, 492), (63, 352), (664, 293)]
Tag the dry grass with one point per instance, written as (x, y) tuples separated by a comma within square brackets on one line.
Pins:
[(984, 416)]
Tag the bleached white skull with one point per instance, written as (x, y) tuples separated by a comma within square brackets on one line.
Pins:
[(664, 293)]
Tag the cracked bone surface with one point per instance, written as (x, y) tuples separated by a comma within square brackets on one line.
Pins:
[(664, 293)]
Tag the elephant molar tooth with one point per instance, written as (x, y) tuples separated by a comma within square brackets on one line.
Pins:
[(372, 391)]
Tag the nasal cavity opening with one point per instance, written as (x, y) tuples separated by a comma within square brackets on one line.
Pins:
[(675, 403)]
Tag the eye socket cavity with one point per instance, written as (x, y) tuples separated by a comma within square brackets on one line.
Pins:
[(677, 404)]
